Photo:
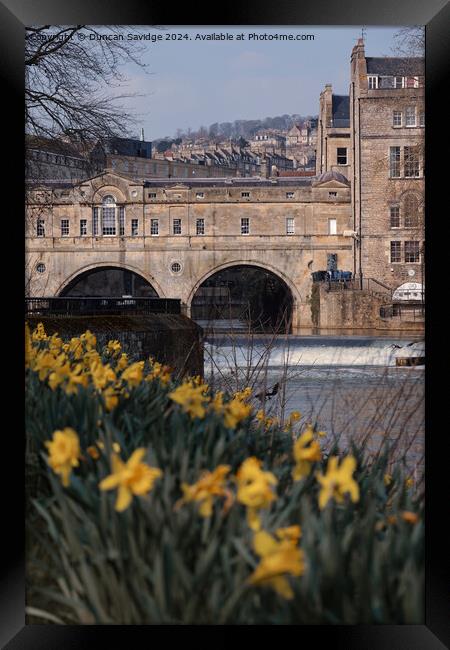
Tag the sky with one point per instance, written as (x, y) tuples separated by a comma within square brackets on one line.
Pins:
[(192, 82)]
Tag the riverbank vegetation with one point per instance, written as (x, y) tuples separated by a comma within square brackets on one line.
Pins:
[(151, 500)]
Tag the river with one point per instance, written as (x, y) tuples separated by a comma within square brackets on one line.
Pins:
[(348, 385)]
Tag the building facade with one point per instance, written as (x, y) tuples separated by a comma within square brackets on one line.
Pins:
[(176, 234), (334, 148), (387, 126)]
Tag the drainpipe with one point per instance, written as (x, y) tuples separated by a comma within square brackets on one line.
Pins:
[(355, 244), (359, 191)]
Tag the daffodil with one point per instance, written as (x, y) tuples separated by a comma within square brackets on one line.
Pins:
[(243, 395), (39, 333), (387, 478), (133, 375), (158, 371), (209, 485), (192, 398), (113, 348), (122, 362), (278, 559), (410, 517), (130, 478), (290, 533), (254, 489), (305, 455), (64, 452), (44, 363), (89, 339), (111, 398), (102, 374), (235, 411), (338, 481)]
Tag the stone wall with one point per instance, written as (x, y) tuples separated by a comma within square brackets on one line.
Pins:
[(174, 340), (355, 310)]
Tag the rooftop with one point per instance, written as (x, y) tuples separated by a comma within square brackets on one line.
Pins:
[(391, 66)]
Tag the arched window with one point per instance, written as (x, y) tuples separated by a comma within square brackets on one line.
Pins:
[(109, 215), (411, 211)]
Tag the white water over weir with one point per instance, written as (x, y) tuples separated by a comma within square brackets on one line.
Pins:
[(349, 386)]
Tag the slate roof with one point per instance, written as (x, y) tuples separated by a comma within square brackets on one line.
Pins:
[(391, 66)]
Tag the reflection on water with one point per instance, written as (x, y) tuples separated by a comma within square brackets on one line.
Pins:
[(348, 385)]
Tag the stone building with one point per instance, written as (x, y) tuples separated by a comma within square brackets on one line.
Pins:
[(176, 234), (387, 121), (333, 150)]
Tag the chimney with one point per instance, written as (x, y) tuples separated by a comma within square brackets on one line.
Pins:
[(142, 134)]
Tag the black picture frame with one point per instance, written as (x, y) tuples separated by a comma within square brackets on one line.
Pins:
[(435, 14)]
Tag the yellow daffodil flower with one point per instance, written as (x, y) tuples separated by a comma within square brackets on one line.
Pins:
[(122, 362), (387, 479), (243, 395), (209, 485), (291, 533), (102, 375), (64, 452), (278, 559), (111, 398), (89, 339), (410, 517), (338, 481), (235, 411), (134, 374), (39, 333), (304, 456), (160, 372), (191, 398), (254, 489), (113, 347), (131, 478)]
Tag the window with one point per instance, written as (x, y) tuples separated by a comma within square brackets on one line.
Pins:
[(121, 221), (396, 251), (289, 195), (332, 227), (411, 251), (152, 195), (412, 82), (342, 155), (134, 227), (175, 267), (394, 162), (83, 227), (245, 226), (421, 118), (397, 118), (40, 228), (373, 82), (290, 226), (109, 216), (200, 226), (331, 261), (64, 227), (177, 226), (410, 116), (95, 222), (332, 194), (398, 82), (386, 82), (154, 227), (412, 162), (40, 268), (245, 195), (395, 216), (411, 211), (200, 195)]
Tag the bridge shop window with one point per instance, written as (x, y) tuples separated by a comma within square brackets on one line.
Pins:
[(177, 226), (40, 228), (122, 221), (245, 226), (332, 226), (200, 227), (83, 227), (109, 216), (290, 226), (154, 227), (134, 227), (152, 195), (95, 222), (289, 195), (245, 195), (64, 227)]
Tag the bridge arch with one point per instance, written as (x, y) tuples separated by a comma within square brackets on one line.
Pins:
[(265, 294), (144, 279)]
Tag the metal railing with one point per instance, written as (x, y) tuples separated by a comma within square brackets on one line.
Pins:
[(80, 306), (403, 312)]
